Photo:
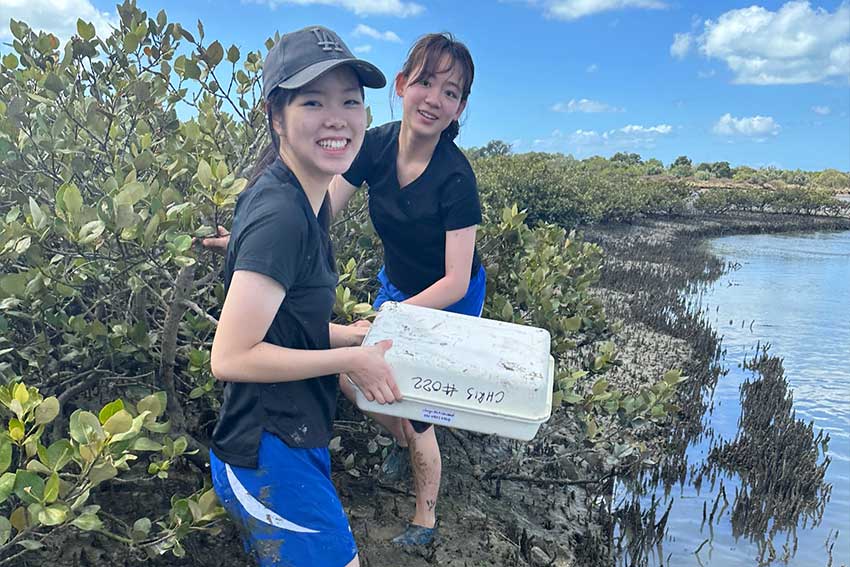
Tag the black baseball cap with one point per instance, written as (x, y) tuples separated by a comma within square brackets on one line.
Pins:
[(301, 56)]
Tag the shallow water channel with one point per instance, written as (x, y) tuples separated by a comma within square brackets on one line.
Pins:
[(793, 293)]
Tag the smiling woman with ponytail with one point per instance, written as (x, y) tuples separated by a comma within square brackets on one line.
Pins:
[(423, 202), (274, 345)]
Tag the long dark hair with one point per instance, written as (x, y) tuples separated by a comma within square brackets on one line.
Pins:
[(277, 101), (427, 53)]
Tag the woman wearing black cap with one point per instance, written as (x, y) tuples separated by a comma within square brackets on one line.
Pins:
[(269, 457), (423, 202)]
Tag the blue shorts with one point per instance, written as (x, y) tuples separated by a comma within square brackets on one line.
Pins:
[(287, 508), (470, 304)]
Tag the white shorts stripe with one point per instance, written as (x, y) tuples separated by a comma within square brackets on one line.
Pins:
[(256, 509)]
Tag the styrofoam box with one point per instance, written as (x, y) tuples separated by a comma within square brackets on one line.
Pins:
[(465, 372)]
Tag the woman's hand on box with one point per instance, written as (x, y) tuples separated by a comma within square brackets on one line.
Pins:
[(372, 374)]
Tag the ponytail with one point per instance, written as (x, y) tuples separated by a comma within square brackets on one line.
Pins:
[(278, 99), (451, 131)]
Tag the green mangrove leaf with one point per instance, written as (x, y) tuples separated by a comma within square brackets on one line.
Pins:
[(5, 454), (85, 427), (5, 530), (29, 487), (37, 467), (38, 217), (19, 519), (51, 488), (119, 423), (81, 499), (59, 454), (71, 199), (154, 403), (141, 529), (109, 410), (145, 444), (16, 429), (85, 30), (53, 515), (102, 472), (7, 485), (87, 522), (91, 231), (47, 410), (135, 428), (30, 544), (208, 502), (205, 175), (131, 193)]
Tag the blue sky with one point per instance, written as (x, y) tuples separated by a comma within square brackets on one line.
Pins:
[(757, 84)]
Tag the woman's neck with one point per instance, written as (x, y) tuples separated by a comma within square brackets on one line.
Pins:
[(314, 183), (413, 148)]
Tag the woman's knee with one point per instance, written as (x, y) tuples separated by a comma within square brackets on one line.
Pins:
[(354, 562), (414, 436)]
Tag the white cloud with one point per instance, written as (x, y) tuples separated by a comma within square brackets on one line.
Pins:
[(634, 129), (822, 110), (575, 9), (588, 142), (752, 126), (795, 44), (592, 68), (397, 8), (585, 105), (363, 48), (681, 45), (706, 74), (364, 30), (58, 17)]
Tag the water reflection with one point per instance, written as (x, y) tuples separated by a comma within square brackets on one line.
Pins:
[(765, 480)]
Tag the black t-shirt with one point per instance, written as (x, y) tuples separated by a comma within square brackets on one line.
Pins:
[(412, 221), (276, 233)]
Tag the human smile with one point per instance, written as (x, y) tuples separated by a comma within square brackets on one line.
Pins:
[(334, 145), (427, 115)]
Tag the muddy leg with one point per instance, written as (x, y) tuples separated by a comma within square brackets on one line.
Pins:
[(390, 423), (427, 470)]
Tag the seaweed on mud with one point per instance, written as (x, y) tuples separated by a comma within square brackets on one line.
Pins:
[(781, 461)]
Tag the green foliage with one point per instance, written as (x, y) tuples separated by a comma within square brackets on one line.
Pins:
[(566, 192), (833, 179), (542, 277), (783, 199), (681, 161), (626, 158), (49, 485), (493, 148)]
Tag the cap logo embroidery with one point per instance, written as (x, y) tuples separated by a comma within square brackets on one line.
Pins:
[(326, 41)]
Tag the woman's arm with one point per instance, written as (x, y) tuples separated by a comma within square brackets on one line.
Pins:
[(239, 353), (341, 192), (460, 248), (348, 335)]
